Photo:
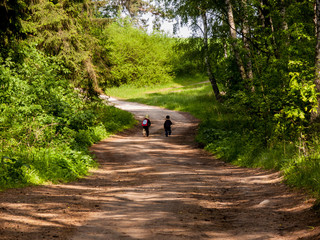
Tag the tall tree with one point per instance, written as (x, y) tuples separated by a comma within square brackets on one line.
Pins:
[(212, 78), (245, 39), (234, 39), (63, 29), (197, 13), (316, 114)]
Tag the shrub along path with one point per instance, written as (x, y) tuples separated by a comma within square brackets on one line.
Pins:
[(159, 188)]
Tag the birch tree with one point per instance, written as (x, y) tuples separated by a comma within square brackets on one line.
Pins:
[(234, 39), (212, 79)]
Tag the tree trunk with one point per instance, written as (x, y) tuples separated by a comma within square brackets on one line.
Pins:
[(285, 26), (233, 34), (245, 33), (265, 14), (315, 18), (283, 15), (315, 114), (212, 79)]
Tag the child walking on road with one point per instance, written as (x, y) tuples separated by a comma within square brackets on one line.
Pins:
[(146, 123), (167, 126)]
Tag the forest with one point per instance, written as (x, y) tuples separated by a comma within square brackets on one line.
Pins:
[(261, 58)]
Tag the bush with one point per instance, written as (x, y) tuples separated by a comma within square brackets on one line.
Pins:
[(136, 57), (47, 127)]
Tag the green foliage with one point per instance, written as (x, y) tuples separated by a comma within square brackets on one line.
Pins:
[(136, 57), (11, 14), (188, 58), (63, 29), (47, 127)]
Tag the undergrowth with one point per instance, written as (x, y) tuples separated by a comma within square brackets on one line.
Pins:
[(46, 127)]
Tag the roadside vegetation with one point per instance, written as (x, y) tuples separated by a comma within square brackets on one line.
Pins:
[(46, 126)]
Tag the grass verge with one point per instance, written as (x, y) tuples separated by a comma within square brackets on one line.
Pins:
[(61, 153)]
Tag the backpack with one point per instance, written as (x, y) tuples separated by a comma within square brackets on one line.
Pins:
[(145, 123)]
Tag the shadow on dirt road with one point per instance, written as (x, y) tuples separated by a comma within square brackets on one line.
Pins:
[(160, 188)]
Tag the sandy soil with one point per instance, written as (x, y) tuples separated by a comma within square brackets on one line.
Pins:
[(160, 188)]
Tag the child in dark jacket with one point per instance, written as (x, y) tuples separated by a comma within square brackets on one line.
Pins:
[(167, 126)]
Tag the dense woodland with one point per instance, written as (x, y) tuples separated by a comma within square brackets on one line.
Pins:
[(262, 58)]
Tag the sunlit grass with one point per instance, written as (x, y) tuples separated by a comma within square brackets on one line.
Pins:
[(176, 84), (188, 100)]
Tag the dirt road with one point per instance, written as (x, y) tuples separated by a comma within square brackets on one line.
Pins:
[(160, 188)]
